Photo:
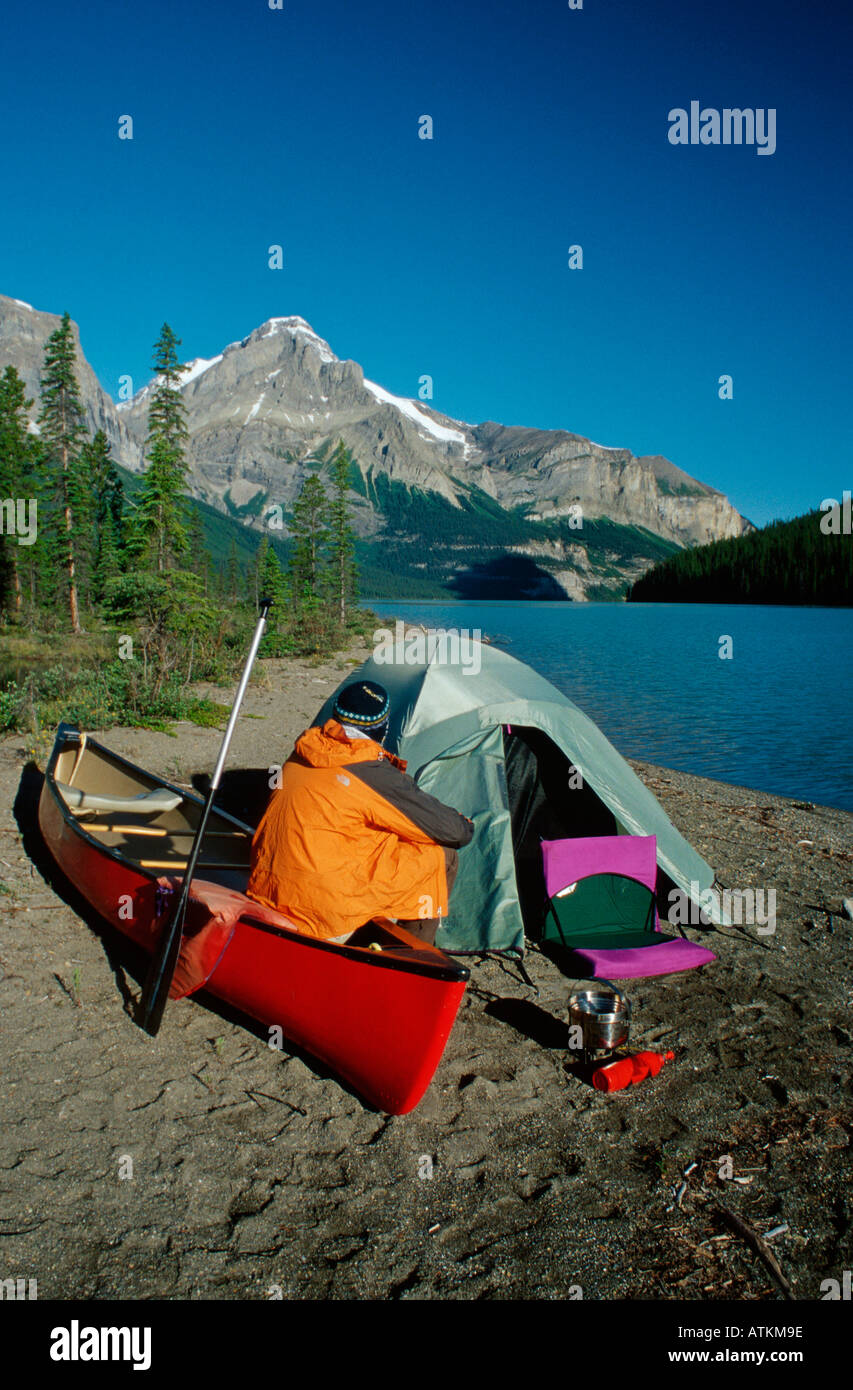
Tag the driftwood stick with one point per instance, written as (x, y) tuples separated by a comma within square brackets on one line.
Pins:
[(756, 1243), (32, 907)]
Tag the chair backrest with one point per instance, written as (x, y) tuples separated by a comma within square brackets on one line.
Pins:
[(601, 890)]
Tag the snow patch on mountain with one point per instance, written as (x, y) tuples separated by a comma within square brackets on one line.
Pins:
[(191, 371), (197, 366), (255, 408), (423, 422)]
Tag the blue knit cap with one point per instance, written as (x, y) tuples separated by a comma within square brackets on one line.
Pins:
[(365, 705)]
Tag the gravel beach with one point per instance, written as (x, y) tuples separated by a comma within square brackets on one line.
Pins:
[(203, 1164)]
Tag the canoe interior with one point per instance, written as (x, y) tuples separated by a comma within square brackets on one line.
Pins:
[(155, 842)]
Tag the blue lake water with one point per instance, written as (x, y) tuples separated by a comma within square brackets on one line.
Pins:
[(778, 716)]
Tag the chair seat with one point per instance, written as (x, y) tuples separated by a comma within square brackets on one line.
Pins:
[(150, 803), (664, 956)]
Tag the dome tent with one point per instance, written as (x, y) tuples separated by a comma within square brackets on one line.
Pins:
[(498, 742)]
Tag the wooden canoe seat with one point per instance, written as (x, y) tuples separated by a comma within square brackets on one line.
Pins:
[(150, 803)]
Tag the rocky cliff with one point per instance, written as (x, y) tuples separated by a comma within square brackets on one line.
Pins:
[(23, 334)]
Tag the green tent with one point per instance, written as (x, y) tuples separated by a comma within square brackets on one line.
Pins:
[(505, 747)]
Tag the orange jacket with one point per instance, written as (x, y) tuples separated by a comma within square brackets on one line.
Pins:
[(348, 836)]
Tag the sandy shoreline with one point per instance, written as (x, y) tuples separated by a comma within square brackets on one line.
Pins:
[(253, 1170)]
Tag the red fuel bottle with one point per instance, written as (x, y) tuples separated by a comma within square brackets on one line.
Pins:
[(615, 1076)]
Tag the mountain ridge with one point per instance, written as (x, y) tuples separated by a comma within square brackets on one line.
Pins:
[(269, 408)]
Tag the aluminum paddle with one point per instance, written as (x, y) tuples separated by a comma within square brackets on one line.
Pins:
[(162, 969)]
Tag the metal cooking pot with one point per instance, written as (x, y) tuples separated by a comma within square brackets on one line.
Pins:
[(603, 1018)]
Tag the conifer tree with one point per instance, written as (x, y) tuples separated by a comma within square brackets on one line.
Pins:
[(43, 565), (272, 583), (269, 581), (308, 572), (256, 568), (62, 434), (108, 561), (16, 460), (199, 555), (106, 483), (232, 572), (161, 535), (310, 533), (342, 539), (100, 511), (108, 522)]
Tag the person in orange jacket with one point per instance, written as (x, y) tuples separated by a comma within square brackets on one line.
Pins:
[(348, 836)]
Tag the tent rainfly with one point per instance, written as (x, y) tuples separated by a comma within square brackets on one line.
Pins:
[(502, 745)]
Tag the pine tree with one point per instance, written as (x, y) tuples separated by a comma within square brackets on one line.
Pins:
[(273, 585), (16, 458), (62, 433), (342, 539), (161, 516), (109, 557), (308, 572), (309, 530), (106, 483), (109, 513), (45, 580), (256, 567), (198, 551), (269, 581), (232, 572), (103, 512)]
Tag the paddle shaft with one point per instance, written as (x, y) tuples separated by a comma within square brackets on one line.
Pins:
[(163, 834), (162, 970)]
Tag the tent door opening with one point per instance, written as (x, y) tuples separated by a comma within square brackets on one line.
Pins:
[(547, 801)]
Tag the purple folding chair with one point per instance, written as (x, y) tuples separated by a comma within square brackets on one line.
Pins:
[(602, 920)]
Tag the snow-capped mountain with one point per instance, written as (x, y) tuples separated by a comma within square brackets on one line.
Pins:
[(264, 406), (269, 408)]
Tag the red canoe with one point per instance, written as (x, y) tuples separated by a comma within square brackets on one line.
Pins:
[(377, 1011)]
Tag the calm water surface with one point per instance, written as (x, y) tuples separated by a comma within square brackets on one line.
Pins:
[(778, 716)]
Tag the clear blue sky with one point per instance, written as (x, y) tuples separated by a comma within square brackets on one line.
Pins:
[(300, 127)]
